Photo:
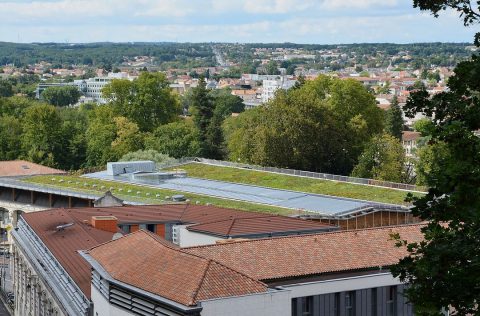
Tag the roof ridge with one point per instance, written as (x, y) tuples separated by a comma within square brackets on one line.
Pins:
[(208, 267), (109, 241), (231, 226), (195, 293), (306, 235), (240, 218), (184, 210)]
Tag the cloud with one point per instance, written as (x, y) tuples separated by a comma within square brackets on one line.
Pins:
[(342, 4), (276, 6), (306, 21)]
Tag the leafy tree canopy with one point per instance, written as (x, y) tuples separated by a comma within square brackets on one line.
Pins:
[(61, 96)]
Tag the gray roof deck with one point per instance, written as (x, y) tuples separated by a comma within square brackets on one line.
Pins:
[(320, 204)]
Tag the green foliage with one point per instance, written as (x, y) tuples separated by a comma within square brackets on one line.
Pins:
[(444, 269), (149, 154), (10, 136), (272, 68), (394, 119), (106, 55), (6, 88), (41, 138), (148, 101), (128, 138), (71, 182), (61, 96), (225, 103), (320, 126), (382, 159), (100, 134), (203, 108), (177, 139), (288, 182), (424, 126)]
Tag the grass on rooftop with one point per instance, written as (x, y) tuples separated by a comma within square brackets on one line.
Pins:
[(144, 194), (295, 183)]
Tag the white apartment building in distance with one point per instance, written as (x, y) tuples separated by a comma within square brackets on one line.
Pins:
[(272, 85), (92, 88)]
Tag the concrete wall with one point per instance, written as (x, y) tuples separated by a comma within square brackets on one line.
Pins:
[(342, 285), (276, 303), (188, 238)]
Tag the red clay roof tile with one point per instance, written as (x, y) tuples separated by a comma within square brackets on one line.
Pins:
[(286, 257), (25, 168), (141, 260)]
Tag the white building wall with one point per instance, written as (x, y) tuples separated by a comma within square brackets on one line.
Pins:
[(342, 285), (188, 238), (276, 303)]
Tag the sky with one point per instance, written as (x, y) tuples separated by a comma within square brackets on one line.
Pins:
[(244, 21)]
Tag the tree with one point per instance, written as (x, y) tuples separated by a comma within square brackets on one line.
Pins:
[(272, 68), (147, 101), (61, 96), (468, 11), (41, 138), (203, 108), (444, 270), (225, 103), (6, 89), (10, 137), (394, 119), (424, 126), (382, 159), (149, 154), (128, 137), (74, 126), (177, 139), (322, 126), (100, 134)]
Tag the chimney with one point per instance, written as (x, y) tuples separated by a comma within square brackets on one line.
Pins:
[(106, 223)]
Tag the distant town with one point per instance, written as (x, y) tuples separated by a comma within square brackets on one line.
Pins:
[(230, 179)]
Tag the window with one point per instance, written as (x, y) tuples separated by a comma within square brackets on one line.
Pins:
[(350, 303), (336, 304), (374, 302), (151, 227), (302, 306), (391, 301), (307, 306)]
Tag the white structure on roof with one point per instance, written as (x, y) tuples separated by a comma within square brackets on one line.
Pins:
[(121, 167)]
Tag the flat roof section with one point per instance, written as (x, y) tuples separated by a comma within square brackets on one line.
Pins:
[(320, 204)]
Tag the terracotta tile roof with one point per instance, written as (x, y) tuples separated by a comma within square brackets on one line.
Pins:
[(237, 227), (288, 257), (187, 213), (169, 271), (25, 168), (408, 135), (65, 244)]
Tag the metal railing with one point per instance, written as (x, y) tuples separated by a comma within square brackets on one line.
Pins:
[(300, 173)]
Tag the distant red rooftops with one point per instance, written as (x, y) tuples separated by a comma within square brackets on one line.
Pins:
[(25, 168)]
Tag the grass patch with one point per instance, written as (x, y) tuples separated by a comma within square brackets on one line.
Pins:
[(287, 182), (144, 194)]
